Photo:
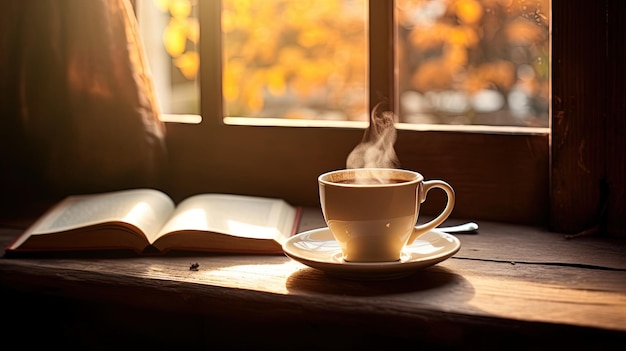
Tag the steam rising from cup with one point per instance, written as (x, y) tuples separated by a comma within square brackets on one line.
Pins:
[(376, 148)]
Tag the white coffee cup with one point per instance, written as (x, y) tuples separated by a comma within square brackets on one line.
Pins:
[(372, 212)]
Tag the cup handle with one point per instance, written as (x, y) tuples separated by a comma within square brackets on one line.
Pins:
[(427, 186)]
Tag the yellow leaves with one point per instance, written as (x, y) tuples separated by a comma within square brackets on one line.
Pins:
[(469, 11), (233, 20), (313, 36), (254, 100), (310, 75), (180, 8), (498, 73), (293, 52), (439, 34), (239, 6), (463, 36), (188, 64), (193, 30), (524, 32), (276, 80), (175, 37), (290, 56), (265, 39), (181, 35), (230, 87), (305, 52), (446, 43), (431, 37), (431, 75), (240, 85), (455, 56)]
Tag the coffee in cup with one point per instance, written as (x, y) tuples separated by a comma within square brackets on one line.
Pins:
[(372, 212)]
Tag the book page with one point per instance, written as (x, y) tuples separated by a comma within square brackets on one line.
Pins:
[(237, 215), (146, 209)]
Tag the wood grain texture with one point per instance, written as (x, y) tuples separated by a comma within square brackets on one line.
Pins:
[(589, 124), (496, 177), (578, 125), (381, 55), (510, 280), (615, 215)]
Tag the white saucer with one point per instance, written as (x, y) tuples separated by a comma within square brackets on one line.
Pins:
[(317, 248)]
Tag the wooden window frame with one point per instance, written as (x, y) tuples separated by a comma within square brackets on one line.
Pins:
[(543, 179)]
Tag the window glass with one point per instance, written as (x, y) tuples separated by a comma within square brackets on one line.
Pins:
[(170, 34), (304, 59), (458, 62), (473, 61)]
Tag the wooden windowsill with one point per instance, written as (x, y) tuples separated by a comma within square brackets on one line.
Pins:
[(509, 283)]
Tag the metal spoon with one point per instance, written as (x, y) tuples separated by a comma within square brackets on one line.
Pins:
[(465, 228)]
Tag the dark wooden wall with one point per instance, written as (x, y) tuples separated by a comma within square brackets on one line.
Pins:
[(588, 127), (616, 119)]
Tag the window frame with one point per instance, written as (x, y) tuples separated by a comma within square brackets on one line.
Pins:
[(500, 176)]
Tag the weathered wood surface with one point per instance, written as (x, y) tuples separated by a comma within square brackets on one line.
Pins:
[(616, 121), (512, 278), (588, 160)]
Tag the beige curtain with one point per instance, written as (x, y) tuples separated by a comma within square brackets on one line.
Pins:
[(77, 107)]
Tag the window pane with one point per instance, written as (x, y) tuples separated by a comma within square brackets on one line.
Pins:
[(474, 62), (303, 59), (170, 33)]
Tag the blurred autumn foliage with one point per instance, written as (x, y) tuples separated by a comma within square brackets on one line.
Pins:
[(474, 61), (181, 35), (460, 61), (295, 59)]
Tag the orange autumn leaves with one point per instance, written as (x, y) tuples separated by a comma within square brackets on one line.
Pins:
[(295, 58), (468, 43), (301, 52)]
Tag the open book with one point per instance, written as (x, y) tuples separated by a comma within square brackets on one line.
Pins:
[(143, 220)]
